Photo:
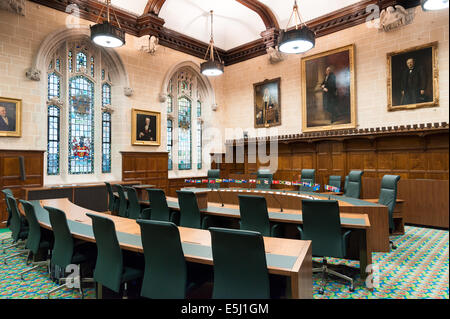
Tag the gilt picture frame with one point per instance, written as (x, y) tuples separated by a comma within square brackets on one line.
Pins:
[(145, 128), (267, 103), (10, 117)]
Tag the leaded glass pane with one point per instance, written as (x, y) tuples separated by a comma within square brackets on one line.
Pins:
[(184, 134), (169, 104), (81, 126), (58, 65), (199, 109), (70, 61), (92, 67), (169, 142), (106, 94), (54, 86), (53, 140), (199, 145), (106, 142), (81, 61)]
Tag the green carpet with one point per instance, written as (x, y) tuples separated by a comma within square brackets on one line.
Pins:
[(417, 269)]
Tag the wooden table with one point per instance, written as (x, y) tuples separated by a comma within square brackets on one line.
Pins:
[(286, 257)]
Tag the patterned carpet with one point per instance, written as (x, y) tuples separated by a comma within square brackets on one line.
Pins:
[(417, 269)]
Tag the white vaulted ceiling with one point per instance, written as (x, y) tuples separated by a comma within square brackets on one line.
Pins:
[(234, 23)]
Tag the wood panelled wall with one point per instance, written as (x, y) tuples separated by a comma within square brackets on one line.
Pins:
[(10, 176), (146, 167), (421, 159), (178, 183)]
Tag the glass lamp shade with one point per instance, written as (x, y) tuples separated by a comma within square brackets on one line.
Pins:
[(297, 40), (107, 35), (211, 68), (428, 5)]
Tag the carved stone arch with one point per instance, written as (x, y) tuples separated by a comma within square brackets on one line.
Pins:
[(55, 39), (203, 81)]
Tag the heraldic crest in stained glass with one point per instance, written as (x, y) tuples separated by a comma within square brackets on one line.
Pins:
[(81, 103), (81, 149)]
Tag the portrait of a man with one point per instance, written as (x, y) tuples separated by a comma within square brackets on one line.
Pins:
[(328, 90), (412, 80), (267, 103), (10, 117), (145, 127)]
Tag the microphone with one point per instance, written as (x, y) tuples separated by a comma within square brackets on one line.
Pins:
[(220, 196), (279, 203), (22, 168)]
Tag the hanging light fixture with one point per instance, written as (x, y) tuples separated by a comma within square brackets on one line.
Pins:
[(106, 34), (428, 5), (298, 40), (211, 67)]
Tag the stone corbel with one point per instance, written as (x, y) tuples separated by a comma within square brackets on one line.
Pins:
[(162, 97), (214, 106), (127, 91), (108, 109), (33, 74), (55, 101), (15, 6), (170, 116)]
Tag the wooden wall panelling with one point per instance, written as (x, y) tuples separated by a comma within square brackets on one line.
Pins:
[(10, 174), (146, 167)]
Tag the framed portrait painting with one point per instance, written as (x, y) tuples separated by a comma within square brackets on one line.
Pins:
[(267, 102), (145, 127), (10, 117), (328, 90), (413, 78)]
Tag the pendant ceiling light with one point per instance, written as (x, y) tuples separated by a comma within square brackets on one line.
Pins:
[(298, 40), (106, 34), (211, 67), (428, 5)]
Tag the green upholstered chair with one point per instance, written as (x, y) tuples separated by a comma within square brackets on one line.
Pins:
[(213, 174), (109, 269), (307, 176), (66, 251), (353, 187), (388, 197), (262, 176), (159, 210), (134, 208), (19, 232), (322, 225), (240, 269), (123, 202), (254, 215), (113, 202), (7, 192), (36, 240), (334, 180), (190, 215), (165, 275)]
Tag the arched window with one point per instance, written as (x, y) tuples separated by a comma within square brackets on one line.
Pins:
[(185, 94), (81, 82)]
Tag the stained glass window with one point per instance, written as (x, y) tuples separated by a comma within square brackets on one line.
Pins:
[(106, 142), (199, 108), (69, 60), (169, 104), (184, 134), (106, 130), (81, 126), (58, 65), (169, 142), (199, 145), (54, 86), (53, 140), (92, 67), (103, 74), (81, 61)]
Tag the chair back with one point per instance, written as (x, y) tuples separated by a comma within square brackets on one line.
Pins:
[(240, 269), (307, 176), (353, 187), (254, 214), (262, 176), (134, 208), (322, 225), (190, 215), (212, 175), (16, 225), (62, 252), (158, 205), (388, 195), (334, 180), (109, 264), (123, 203), (110, 197), (165, 274), (34, 230), (7, 192)]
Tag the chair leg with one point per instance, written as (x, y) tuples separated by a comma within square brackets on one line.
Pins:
[(330, 271), (125, 291), (23, 252), (392, 244), (56, 289), (35, 266)]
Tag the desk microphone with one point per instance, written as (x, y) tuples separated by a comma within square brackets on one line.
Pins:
[(279, 203), (220, 196)]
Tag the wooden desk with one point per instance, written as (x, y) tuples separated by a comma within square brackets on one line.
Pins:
[(88, 195), (286, 257), (141, 190), (399, 224)]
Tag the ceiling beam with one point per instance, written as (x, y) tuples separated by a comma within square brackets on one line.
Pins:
[(266, 15), (153, 7)]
